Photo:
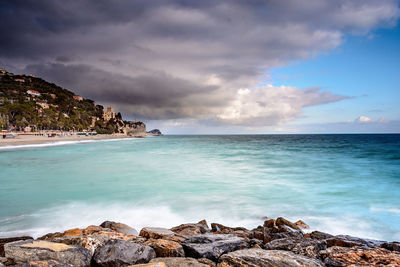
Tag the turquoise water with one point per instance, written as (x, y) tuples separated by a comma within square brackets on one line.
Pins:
[(342, 184)]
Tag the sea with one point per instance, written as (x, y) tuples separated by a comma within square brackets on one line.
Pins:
[(340, 184)]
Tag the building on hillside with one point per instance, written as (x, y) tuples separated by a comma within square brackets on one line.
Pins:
[(44, 105), (33, 93), (19, 80), (108, 114), (78, 98), (94, 119), (53, 96)]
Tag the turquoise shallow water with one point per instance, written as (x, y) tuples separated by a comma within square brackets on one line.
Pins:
[(342, 184)]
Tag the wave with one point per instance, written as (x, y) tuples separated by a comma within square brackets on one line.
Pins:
[(59, 143), (139, 215), (390, 210)]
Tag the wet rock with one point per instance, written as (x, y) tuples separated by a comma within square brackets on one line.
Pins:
[(206, 262), (302, 246), (270, 223), (166, 248), (318, 235), (253, 242), (122, 253), (290, 234), (45, 263), (179, 262), (211, 246), (216, 227), (90, 237), (120, 228), (190, 229), (238, 231), (156, 232), (265, 258), (4, 241), (283, 222), (392, 246), (350, 241), (355, 256), (37, 250), (302, 225), (156, 264), (3, 260)]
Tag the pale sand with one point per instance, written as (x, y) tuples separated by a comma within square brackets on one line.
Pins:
[(22, 140)]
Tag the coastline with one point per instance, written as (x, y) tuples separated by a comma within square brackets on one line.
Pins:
[(277, 242), (26, 140)]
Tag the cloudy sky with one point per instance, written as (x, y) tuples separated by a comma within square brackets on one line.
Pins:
[(218, 66)]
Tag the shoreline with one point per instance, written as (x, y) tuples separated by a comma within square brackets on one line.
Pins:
[(277, 242), (33, 140)]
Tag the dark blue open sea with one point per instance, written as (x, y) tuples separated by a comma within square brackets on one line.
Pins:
[(341, 184)]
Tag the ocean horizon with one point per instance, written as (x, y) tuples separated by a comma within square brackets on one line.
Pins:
[(337, 183)]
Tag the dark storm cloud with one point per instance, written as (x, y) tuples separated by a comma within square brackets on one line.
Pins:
[(149, 93), (181, 59)]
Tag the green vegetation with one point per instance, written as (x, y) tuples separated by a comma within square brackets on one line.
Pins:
[(54, 109)]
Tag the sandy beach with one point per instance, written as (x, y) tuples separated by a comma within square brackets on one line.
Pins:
[(33, 139)]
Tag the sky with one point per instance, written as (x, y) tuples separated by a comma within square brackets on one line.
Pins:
[(218, 67)]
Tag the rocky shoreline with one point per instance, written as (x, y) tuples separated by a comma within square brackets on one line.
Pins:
[(275, 243)]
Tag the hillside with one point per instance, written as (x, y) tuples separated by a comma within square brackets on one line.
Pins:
[(28, 103)]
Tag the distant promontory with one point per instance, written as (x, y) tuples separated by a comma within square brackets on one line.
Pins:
[(31, 104)]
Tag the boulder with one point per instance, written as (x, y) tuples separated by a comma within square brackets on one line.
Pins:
[(302, 225), (355, 256), (212, 246), (302, 246), (120, 228), (283, 222), (318, 235), (166, 248), (350, 241), (121, 253), (4, 241), (190, 229), (265, 258), (45, 263), (179, 262), (206, 262), (238, 231), (392, 246), (90, 237), (38, 250), (156, 232), (156, 264), (270, 223)]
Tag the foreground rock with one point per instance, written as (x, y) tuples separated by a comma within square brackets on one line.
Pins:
[(4, 241), (156, 232), (303, 246), (166, 248), (354, 256), (265, 258), (350, 241), (120, 228), (122, 253), (173, 262), (25, 251), (212, 246), (89, 238), (190, 229), (45, 263)]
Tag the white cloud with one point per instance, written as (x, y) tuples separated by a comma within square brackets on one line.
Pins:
[(272, 105), (364, 119)]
